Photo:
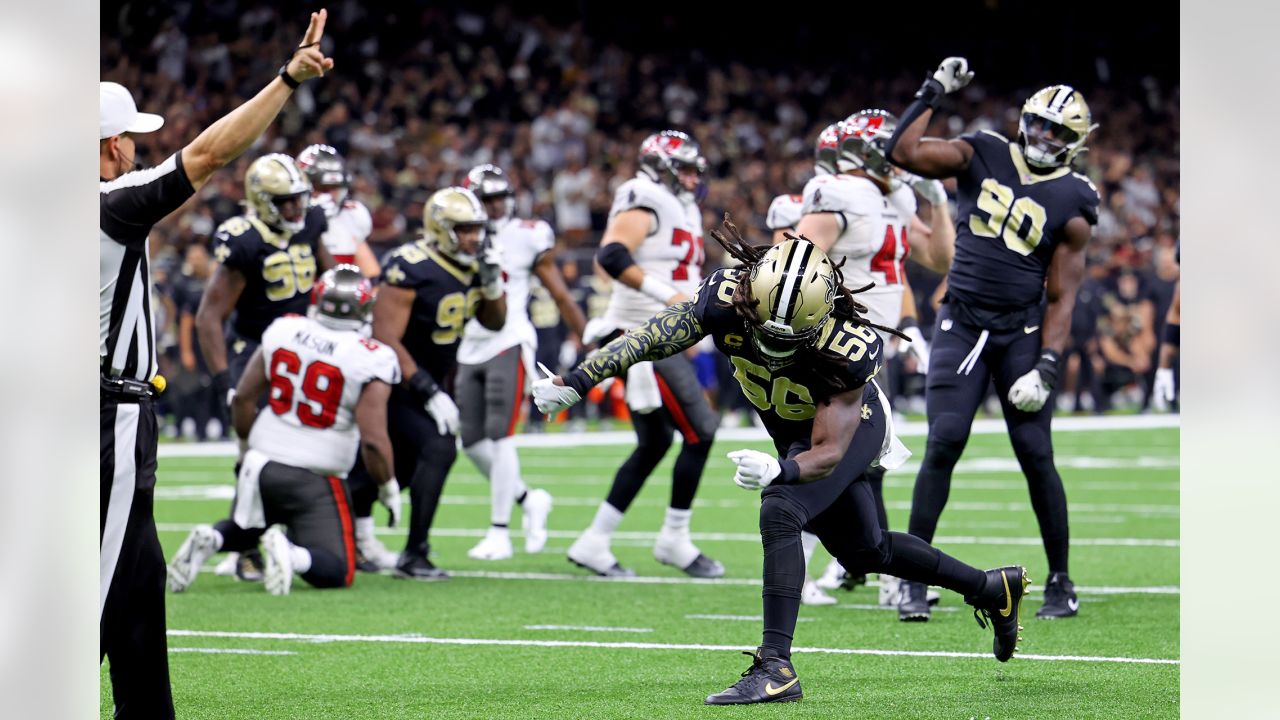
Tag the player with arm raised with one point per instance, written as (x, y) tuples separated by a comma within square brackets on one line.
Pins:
[(805, 356), (494, 365), (1025, 222), (652, 247)]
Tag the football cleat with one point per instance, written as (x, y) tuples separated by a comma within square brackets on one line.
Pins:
[(913, 603), (767, 680), (417, 567), (537, 506), (278, 573), (830, 579), (1060, 599), (374, 555), (185, 567), (890, 590), (591, 552), (811, 594), (674, 548), (496, 545), (999, 607)]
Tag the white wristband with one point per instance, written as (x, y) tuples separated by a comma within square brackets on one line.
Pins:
[(492, 291), (656, 289)]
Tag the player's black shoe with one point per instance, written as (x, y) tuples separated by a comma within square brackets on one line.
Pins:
[(417, 567), (999, 605), (914, 603), (1059, 598), (364, 564), (704, 567), (771, 679), (250, 566), (849, 581)]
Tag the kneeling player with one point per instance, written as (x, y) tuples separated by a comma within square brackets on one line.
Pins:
[(805, 357), (326, 380)]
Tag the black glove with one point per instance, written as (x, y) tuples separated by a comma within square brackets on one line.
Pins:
[(222, 386)]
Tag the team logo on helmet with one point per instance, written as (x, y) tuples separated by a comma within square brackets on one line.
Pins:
[(795, 284), (1054, 126), (342, 298), (446, 211), (491, 185), (271, 185), (663, 155), (864, 138), (826, 153)]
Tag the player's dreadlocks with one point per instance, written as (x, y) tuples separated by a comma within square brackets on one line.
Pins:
[(744, 304)]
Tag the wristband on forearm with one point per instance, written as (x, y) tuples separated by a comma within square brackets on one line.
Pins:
[(907, 323), (1172, 334), (422, 385), (222, 383), (790, 472), (579, 380), (1048, 367), (656, 289)]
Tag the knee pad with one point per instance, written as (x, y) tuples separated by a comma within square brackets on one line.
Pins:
[(780, 516), (1031, 442)]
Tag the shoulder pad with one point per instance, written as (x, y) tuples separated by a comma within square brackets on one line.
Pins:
[(638, 192), (784, 212), (234, 227)]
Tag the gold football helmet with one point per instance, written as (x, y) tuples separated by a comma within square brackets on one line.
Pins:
[(277, 192), (795, 285), (445, 212), (1054, 125)]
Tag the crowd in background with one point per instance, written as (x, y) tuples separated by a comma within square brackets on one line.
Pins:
[(422, 94)]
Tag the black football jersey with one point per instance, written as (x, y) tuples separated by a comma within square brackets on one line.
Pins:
[(847, 355), (279, 269), (1009, 222), (446, 295)]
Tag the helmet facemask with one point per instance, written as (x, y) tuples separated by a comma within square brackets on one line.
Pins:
[(490, 183), (664, 155), (446, 213), (864, 141), (277, 192), (1053, 127), (327, 171)]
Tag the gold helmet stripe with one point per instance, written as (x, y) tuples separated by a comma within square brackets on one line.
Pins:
[(793, 269)]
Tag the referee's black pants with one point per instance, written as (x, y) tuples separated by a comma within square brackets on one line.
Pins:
[(131, 602)]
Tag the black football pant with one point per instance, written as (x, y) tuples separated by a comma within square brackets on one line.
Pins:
[(841, 510), (131, 627), (684, 409), (960, 364)]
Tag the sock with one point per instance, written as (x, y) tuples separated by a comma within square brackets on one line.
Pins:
[(607, 519), (810, 543), (364, 528), (301, 558), (496, 529), (677, 520), (504, 475), (217, 540), (481, 454)]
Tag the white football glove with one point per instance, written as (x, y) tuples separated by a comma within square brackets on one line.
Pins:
[(551, 398), (1029, 392), (596, 330), (490, 271), (445, 412), (755, 469), (953, 73), (389, 496), (1162, 391), (918, 347), (929, 189)]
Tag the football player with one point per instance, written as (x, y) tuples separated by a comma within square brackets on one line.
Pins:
[(861, 213), (1025, 221), (328, 397), (430, 289), (349, 220), (1164, 391), (652, 247), (805, 356), (493, 367), (267, 263)]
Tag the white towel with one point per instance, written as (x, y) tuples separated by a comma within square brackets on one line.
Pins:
[(643, 395), (892, 453), (248, 512)]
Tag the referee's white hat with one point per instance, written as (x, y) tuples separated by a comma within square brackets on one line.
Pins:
[(117, 113)]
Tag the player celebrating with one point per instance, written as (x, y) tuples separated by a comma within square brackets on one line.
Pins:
[(349, 220), (652, 247), (1025, 221), (430, 288), (267, 262), (805, 356), (329, 389), (493, 365)]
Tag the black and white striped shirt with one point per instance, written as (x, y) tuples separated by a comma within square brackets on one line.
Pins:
[(130, 206)]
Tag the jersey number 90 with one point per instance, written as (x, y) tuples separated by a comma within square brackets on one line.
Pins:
[(1006, 218)]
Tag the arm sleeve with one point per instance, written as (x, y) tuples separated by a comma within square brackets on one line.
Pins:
[(135, 201), (671, 331)]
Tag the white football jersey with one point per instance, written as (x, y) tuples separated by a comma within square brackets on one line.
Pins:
[(785, 212), (673, 252), (874, 239), (316, 374), (522, 243), (349, 227)]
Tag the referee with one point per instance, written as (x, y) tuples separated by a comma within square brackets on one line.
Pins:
[(131, 600)]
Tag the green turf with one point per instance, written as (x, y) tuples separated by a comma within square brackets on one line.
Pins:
[(1122, 486)]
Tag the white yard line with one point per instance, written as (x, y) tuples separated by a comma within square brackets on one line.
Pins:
[(985, 426), (229, 651), (501, 642), (589, 628)]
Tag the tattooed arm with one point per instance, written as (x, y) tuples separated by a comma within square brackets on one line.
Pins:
[(671, 331)]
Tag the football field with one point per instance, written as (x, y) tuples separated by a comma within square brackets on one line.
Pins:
[(535, 637)]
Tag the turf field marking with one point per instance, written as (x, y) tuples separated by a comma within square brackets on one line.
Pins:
[(500, 642), (589, 628), (230, 651), (869, 606), (736, 618)]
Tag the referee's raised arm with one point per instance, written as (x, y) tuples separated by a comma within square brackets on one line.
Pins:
[(132, 570)]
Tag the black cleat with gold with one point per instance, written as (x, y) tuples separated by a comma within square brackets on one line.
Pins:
[(999, 605), (769, 679)]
